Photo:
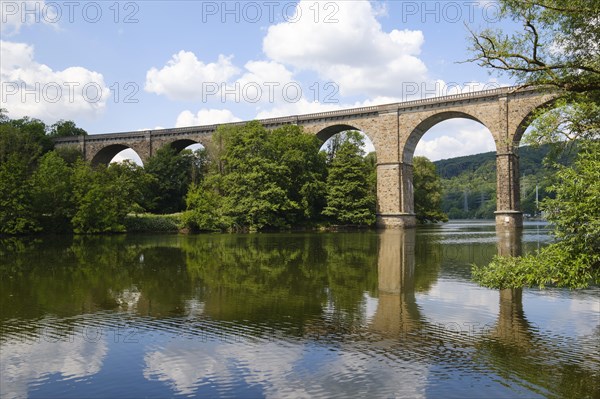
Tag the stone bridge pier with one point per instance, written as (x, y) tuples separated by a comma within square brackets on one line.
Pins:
[(394, 129)]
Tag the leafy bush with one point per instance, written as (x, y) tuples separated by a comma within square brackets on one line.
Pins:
[(153, 223)]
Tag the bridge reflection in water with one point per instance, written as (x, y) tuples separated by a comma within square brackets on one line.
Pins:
[(388, 313), (397, 310), (398, 314)]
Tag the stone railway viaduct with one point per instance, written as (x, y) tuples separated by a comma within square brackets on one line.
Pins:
[(394, 129)]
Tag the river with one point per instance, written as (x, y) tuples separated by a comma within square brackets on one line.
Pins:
[(361, 314)]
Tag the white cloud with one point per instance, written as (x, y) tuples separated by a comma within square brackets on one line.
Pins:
[(280, 368), (354, 52), (452, 308), (33, 89), (205, 117), (265, 82), (266, 71), (186, 78), (455, 138), (15, 14), (300, 107), (25, 361)]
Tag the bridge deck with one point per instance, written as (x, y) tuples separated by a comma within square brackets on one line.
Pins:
[(306, 118)]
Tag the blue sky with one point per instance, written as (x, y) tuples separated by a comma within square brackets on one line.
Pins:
[(120, 66)]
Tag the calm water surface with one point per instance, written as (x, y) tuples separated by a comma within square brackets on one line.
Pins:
[(389, 314)]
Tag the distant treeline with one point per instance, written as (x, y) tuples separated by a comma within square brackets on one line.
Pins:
[(469, 182)]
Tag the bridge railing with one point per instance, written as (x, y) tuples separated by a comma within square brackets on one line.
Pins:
[(374, 109)]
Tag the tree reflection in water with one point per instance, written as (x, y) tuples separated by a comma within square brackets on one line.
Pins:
[(251, 297)]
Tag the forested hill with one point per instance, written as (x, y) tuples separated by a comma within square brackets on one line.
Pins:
[(469, 182)]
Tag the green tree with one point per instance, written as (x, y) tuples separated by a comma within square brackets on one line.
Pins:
[(204, 212), (173, 174), (350, 199), (371, 161), (24, 139), (31, 130), (69, 154), (259, 179), (103, 196), (333, 144), (52, 192), (558, 48), (22, 142), (427, 192), (306, 165), (256, 179), (16, 212), (574, 260), (64, 128)]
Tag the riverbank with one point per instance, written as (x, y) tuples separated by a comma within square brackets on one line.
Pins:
[(175, 223)]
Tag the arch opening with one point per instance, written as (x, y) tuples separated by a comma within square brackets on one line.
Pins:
[(526, 124), (325, 134), (333, 135), (116, 153), (463, 151), (435, 126), (533, 182), (186, 144), (352, 196)]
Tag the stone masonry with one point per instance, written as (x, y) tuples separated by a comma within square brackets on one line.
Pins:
[(395, 129)]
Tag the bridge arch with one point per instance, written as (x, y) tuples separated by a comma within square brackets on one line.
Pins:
[(418, 131), (180, 145), (394, 129), (413, 127), (106, 154), (330, 131), (527, 115)]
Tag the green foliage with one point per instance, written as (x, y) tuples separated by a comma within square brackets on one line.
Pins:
[(259, 179), (23, 140), (203, 203), (31, 137), (104, 196), (307, 170), (16, 211), (427, 192), (153, 223), (558, 48), (56, 191), (474, 176), (51, 192), (350, 199), (173, 174), (69, 154), (573, 261), (65, 129), (94, 207), (256, 180)]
